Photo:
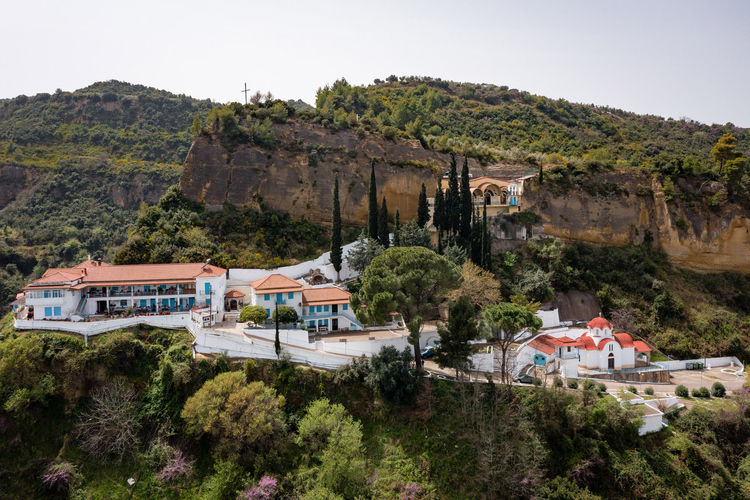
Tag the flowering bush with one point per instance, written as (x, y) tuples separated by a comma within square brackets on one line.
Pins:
[(178, 468), (263, 491), (409, 491), (60, 476)]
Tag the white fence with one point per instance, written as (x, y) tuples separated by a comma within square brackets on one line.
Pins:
[(86, 328), (676, 365), (299, 338)]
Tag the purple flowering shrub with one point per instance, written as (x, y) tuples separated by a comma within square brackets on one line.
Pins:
[(263, 491), (410, 491), (178, 468), (60, 476)]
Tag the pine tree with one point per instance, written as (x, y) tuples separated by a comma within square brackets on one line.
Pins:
[(336, 230), (397, 230), (372, 206), (383, 225), (466, 208), (453, 198), (423, 209)]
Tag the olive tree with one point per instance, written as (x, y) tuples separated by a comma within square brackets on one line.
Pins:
[(408, 280)]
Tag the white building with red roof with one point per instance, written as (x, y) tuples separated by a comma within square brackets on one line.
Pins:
[(603, 350), (94, 288), (556, 353)]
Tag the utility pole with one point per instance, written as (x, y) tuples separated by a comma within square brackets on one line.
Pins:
[(245, 92)]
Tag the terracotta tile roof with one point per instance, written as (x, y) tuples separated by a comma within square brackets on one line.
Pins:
[(137, 274), (641, 346), (599, 322), (276, 283), (540, 344), (588, 342), (327, 295), (564, 342), (234, 294), (624, 339), (604, 342)]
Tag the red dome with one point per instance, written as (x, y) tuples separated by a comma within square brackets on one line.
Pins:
[(599, 323)]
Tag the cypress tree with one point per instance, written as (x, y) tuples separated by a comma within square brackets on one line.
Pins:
[(541, 174), (277, 342), (476, 239), (466, 208), (438, 211), (486, 241), (383, 225), (397, 230), (452, 198), (423, 209), (372, 206), (336, 229)]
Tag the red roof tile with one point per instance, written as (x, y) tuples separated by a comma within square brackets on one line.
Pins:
[(327, 295), (130, 274), (276, 283), (588, 342), (599, 322), (540, 344), (641, 346), (234, 294), (624, 339)]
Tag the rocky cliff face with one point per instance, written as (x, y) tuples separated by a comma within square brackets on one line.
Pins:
[(693, 235), (297, 177)]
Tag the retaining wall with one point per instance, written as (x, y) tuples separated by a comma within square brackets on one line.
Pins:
[(171, 321)]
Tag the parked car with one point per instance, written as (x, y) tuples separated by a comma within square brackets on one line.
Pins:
[(428, 351), (524, 378)]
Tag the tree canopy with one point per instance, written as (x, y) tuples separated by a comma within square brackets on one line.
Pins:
[(407, 280), (254, 314), (455, 335), (236, 415)]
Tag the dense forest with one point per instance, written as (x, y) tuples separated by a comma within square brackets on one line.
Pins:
[(79, 422)]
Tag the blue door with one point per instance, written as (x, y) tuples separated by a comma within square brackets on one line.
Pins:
[(191, 301), (172, 303)]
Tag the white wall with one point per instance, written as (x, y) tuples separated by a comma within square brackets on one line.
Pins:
[(97, 327), (675, 365), (483, 362), (550, 319), (297, 271)]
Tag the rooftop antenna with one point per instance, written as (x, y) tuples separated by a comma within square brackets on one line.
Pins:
[(208, 261)]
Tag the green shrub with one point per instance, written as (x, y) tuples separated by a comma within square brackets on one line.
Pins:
[(287, 315), (602, 388), (631, 388), (681, 391), (718, 390), (572, 384), (389, 132), (255, 314), (588, 384), (703, 392), (558, 382), (537, 381), (649, 391)]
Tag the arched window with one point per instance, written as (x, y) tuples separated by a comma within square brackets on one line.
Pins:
[(504, 198), (611, 347)]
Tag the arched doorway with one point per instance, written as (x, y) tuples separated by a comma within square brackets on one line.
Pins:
[(232, 305), (611, 361), (488, 197), (504, 198)]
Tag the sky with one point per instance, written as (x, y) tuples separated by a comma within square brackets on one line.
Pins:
[(679, 59)]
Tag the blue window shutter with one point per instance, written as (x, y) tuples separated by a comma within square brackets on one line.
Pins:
[(208, 288), (346, 307), (58, 312), (320, 308), (268, 311), (279, 297), (48, 311), (267, 297), (325, 308), (291, 295), (147, 287)]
